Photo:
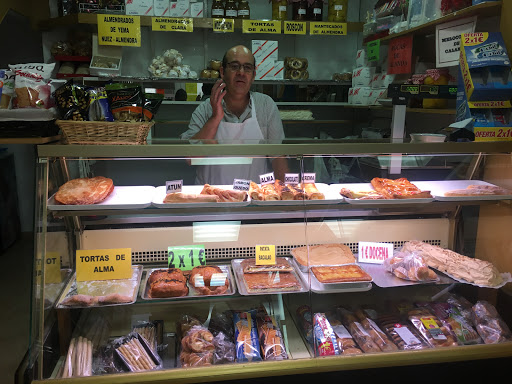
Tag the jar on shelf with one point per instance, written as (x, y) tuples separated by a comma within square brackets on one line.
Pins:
[(230, 9), (316, 10), (217, 9), (300, 9), (244, 11), (436, 77), (279, 10), (337, 11)]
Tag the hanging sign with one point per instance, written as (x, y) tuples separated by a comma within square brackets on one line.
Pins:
[(186, 257), (448, 37), (172, 24), (373, 50), (400, 55), (294, 28), (119, 30), (103, 264), (265, 254), (223, 25), (327, 28), (261, 26)]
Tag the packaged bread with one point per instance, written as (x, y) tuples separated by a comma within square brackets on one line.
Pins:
[(431, 328), (270, 338), (378, 336), (325, 342), (346, 342), (401, 332), (323, 254), (358, 332), (489, 324), (197, 347), (409, 266), (246, 337), (136, 353)]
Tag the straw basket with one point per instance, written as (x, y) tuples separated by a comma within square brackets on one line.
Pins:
[(104, 132)]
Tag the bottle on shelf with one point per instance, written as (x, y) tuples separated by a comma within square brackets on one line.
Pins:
[(300, 9), (244, 11), (337, 11), (279, 10), (230, 9), (316, 10), (217, 9)]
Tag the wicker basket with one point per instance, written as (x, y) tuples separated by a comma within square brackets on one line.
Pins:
[(103, 132)]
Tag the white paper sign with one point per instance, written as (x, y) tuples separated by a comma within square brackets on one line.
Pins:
[(374, 253), (267, 178), (308, 178), (291, 178), (241, 185), (173, 186), (448, 40)]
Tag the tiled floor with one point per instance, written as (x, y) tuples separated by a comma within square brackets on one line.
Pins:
[(15, 283)]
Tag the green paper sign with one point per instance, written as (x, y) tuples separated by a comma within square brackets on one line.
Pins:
[(373, 50), (186, 257)]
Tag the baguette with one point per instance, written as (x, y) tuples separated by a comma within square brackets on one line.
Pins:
[(179, 197)]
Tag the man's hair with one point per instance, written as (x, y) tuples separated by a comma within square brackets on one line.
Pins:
[(225, 59)]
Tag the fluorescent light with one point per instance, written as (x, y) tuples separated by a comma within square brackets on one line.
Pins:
[(216, 231)]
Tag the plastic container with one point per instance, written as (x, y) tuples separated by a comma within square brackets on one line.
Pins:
[(279, 10), (436, 77), (337, 11)]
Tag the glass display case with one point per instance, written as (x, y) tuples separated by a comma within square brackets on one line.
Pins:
[(152, 277)]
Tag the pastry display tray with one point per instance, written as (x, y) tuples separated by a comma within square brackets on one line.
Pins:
[(369, 187), (191, 290), (438, 188), (160, 194), (242, 287), (122, 197), (105, 287), (330, 198), (385, 279), (310, 279)]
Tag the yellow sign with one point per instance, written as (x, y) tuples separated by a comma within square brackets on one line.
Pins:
[(51, 268), (103, 264), (493, 133), (490, 104), (119, 30), (294, 27), (261, 26), (327, 28), (173, 24), (265, 254), (223, 25)]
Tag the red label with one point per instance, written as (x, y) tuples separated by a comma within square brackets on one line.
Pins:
[(400, 55)]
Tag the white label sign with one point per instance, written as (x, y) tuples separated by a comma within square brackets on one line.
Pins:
[(291, 178), (241, 185), (308, 178), (173, 186), (374, 253), (267, 178), (448, 40)]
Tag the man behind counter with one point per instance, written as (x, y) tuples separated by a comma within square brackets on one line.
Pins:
[(233, 114)]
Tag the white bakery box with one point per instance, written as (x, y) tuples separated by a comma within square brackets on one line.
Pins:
[(106, 59)]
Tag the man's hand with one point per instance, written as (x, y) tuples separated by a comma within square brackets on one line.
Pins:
[(218, 92)]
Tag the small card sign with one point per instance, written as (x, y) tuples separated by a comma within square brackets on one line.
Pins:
[(448, 37), (51, 268), (173, 186), (291, 178), (241, 185), (186, 257), (103, 264), (265, 254), (374, 253), (308, 178), (267, 178)]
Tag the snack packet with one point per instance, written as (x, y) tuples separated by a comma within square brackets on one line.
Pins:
[(409, 266), (99, 109), (246, 337), (66, 103), (125, 101), (7, 89), (152, 100), (32, 85)]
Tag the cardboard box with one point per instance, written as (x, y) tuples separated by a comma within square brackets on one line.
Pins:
[(376, 81), (264, 50), (173, 9), (139, 7), (197, 9), (361, 60), (362, 77), (106, 60), (361, 95), (376, 94), (161, 7), (183, 8), (278, 71), (485, 67), (264, 70)]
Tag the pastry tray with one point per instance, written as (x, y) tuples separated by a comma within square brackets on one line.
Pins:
[(368, 187), (122, 197), (71, 289), (330, 198), (160, 194), (438, 188), (309, 278), (191, 290), (242, 287)]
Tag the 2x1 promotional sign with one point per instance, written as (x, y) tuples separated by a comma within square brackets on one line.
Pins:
[(186, 257), (119, 30), (103, 264)]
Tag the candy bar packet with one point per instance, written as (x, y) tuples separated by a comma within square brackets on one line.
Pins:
[(126, 101), (99, 109)]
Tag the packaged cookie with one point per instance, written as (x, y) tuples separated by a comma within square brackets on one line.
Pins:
[(270, 338), (126, 101), (246, 337), (99, 109), (66, 103), (489, 324), (152, 102), (403, 334), (431, 328), (32, 85), (136, 354)]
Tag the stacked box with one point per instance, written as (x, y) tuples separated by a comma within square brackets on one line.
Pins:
[(139, 7), (265, 56), (161, 8)]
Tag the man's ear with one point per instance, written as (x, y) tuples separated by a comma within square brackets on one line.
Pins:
[(221, 71)]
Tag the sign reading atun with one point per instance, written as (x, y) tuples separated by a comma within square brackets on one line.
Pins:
[(327, 28), (172, 24), (119, 30)]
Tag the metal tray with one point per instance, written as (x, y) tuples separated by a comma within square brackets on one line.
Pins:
[(71, 289), (310, 279), (123, 197), (438, 188), (369, 187), (191, 290), (330, 198), (160, 193), (242, 287)]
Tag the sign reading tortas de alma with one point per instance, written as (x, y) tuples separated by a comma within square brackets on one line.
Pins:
[(103, 264), (261, 26), (119, 30)]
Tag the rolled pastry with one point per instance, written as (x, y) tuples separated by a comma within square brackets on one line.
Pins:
[(179, 197), (312, 191)]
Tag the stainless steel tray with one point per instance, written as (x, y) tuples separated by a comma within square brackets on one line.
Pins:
[(71, 289), (191, 290), (438, 188), (369, 187), (330, 198), (160, 194), (242, 287)]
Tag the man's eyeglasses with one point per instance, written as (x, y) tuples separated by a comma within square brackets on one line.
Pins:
[(235, 66)]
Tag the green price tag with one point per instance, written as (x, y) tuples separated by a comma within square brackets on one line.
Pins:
[(186, 257), (373, 50)]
